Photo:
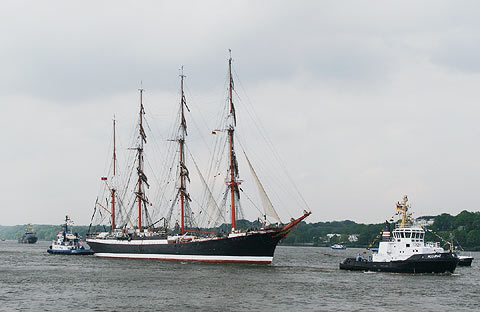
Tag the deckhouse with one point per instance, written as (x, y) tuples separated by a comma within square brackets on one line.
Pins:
[(404, 242)]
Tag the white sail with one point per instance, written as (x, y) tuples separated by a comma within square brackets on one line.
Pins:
[(266, 203), (213, 211)]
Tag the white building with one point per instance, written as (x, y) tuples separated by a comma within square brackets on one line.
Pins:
[(353, 238), (333, 235), (425, 221)]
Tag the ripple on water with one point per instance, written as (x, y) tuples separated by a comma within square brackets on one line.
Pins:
[(301, 278)]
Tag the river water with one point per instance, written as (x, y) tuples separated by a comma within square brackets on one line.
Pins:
[(300, 279)]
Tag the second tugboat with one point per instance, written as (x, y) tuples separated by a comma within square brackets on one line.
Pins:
[(405, 251), (68, 243)]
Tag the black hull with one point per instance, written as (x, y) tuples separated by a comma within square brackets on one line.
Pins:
[(465, 261), (430, 263), (76, 252), (28, 239), (251, 248)]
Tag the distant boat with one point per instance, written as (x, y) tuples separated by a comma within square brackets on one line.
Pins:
[(338, 247), (29, 237), (68, 243), (463, 260)]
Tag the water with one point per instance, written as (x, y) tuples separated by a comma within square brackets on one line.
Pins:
[(300, 279)]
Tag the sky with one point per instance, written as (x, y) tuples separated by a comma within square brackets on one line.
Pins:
[(365, 101)]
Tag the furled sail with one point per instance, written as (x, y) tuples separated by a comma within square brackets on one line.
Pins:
[(266, 203)]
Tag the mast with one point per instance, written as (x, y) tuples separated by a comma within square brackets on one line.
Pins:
[(181, 141), (66, 226), (113, 180), (231, 130), (141, 175), (404, 209)]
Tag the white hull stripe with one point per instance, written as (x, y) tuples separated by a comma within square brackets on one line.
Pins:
[(144, 242), (126, 242), (244, 259)]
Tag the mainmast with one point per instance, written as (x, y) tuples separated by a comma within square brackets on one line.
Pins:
[(141, 175), (181, 142), (113, 179), (231, 129)]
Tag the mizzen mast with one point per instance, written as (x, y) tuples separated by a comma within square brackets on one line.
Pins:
[(142, 178)]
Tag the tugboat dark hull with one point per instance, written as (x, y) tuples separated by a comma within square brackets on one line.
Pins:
[(257, 248), (77, 252), (427, 263)]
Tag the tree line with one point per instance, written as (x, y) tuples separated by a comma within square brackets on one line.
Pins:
[(464, 227)]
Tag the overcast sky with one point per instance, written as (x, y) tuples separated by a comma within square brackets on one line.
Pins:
[(365, 100)]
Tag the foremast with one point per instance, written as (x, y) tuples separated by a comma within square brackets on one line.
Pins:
[(113, 179), (142, 178), (234, 182)]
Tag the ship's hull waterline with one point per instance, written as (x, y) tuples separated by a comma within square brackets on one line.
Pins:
[(257, 248), (76, 252), (426, 263)]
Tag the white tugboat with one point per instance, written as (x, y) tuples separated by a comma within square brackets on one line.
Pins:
[(405, 251), (68, 243)]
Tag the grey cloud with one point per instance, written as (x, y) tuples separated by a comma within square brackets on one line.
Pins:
[(354, 95)]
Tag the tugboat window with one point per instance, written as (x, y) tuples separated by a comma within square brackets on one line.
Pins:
[(408, 245)]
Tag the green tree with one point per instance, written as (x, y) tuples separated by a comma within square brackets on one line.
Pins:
[(444, 222), (473, 239), (464, 219)]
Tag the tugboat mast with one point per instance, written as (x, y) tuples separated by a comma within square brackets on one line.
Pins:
[(404, 209)]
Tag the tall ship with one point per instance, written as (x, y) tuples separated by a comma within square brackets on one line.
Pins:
[(138, 232), (404, 250), (29, 237)]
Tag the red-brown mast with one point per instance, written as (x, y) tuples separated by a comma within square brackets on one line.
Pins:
[(113, 180), (141, 175), (231, 129), (181, 142)]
